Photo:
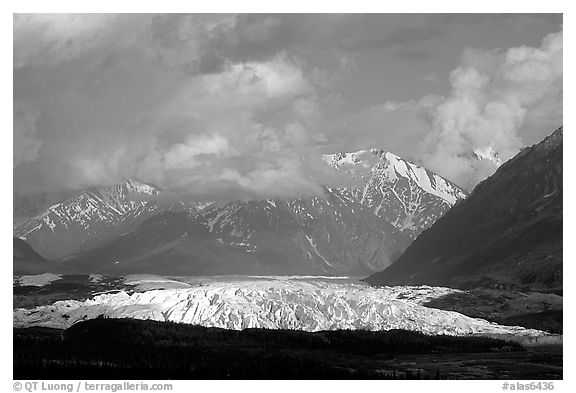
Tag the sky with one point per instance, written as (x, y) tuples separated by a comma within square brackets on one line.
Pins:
[(221, 107)]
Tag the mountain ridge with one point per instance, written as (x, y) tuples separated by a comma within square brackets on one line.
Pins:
[(365, 227), (405, 194), (508, 232)]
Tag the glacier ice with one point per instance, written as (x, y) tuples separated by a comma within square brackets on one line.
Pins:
[(274, 303)]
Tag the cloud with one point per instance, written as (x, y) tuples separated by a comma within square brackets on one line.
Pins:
[(284, 173), (52, 39), (491, 107), (398, 127), (243, 37), (102, 107), (414, 54), (240, 106), (185, 155), (499, 102), (431, 78), (385, 31), (26, 143)]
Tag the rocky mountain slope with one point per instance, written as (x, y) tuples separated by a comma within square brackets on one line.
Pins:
[(507, 233), (92, 218), (28, 206), (404, 194), (332, 235), (28, 261)]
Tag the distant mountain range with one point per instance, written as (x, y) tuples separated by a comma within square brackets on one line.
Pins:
[(353, 231), (91, 218), (507, 233), (316, 236)]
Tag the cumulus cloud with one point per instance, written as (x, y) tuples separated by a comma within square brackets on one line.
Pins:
[(116, 107), (499, 102), (241, 106), (212, 121), (485, 119)]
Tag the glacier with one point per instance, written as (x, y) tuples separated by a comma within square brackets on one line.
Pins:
[(272, 303)]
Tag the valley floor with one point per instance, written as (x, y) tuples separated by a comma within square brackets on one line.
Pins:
[(133, 349), (285, 327)]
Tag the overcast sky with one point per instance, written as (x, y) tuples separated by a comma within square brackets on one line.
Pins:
[(225, 107)]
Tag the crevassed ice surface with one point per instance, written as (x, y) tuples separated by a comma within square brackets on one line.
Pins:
[(309, 305)]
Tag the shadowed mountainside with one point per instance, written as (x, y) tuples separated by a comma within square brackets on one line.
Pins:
[(507, 233), (28, 261)]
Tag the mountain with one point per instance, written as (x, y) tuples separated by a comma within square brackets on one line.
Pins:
[(349, 231), (507, 233), (28, 261), (23, 251), (27, 206), (89, 218), (353, 231), (404, 194), (328, 236)]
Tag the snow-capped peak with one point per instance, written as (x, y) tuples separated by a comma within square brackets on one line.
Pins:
[(391, 167), (134, 186), (95, 213)]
